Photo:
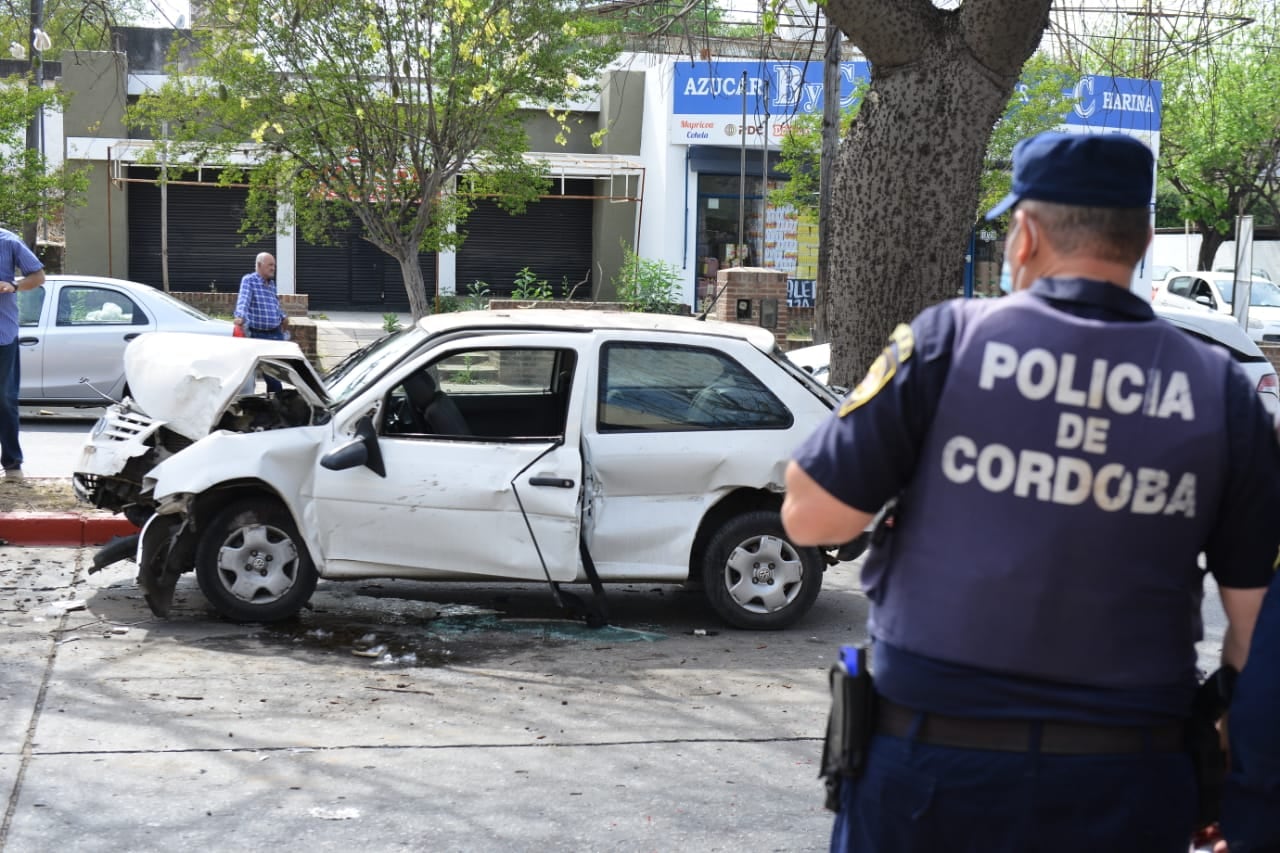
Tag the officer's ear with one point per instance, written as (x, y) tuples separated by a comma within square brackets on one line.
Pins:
[(1027, 236)]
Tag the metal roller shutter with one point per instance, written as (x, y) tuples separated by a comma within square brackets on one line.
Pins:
[(353, 274), (552, 238), (205, 251)]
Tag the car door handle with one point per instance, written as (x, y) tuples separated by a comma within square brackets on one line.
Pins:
[(131, 335), (558, 482), (28, 341)]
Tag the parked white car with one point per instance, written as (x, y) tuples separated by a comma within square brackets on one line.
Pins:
[(73, 329), (1213, 328), (558, 446), (1212, 291)]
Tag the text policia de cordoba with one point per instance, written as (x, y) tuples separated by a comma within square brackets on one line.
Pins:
[(1071, 480)]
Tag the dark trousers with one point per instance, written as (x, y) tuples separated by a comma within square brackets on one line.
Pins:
[(920, 797), (10, 377), (276, 334)]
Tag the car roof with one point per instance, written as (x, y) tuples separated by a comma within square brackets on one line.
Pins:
[(97, 279), (578, 320), (1223, 275)]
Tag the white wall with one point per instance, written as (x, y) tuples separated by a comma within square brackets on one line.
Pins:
[(1181, 251), (667, 222)]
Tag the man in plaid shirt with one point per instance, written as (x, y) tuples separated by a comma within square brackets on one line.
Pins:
[(258, 308)]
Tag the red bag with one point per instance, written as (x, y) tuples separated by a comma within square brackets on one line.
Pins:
[(237, 331)]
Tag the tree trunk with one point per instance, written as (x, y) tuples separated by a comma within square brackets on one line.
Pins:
[(1211, 240), (905, 186), (414, 284)]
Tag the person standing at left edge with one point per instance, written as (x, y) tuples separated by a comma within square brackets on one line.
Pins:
[(14, 255)]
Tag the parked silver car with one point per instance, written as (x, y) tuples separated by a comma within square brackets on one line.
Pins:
[(72, 332), (559, 446)]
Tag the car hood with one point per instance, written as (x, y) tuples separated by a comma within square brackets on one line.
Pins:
[(188, 380)]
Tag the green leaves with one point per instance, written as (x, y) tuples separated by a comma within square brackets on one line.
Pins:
[(30, 190), (1221, 133)]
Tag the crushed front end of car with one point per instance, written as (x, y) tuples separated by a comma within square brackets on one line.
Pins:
[(183, 388)]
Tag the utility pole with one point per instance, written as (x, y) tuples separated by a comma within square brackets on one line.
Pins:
[(36, 41), (827, 159)]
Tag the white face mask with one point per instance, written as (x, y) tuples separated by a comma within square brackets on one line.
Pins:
[(1006, 277)]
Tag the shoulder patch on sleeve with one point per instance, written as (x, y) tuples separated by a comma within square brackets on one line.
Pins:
[(901, 344)]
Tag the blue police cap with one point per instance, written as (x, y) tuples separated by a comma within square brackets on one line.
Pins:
[(1085, 169)]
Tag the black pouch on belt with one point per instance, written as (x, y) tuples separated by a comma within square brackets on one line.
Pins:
[(850, 723)]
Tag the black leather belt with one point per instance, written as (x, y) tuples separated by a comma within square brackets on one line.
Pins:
[(1054, 738), (264, 331)]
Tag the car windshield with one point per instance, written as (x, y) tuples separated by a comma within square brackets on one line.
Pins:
[(1262, 294), (355, 371)]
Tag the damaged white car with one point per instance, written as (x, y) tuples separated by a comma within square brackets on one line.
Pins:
[(557, 446)]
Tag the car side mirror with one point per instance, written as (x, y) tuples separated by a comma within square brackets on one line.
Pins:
[(363, 450), (1205, 301)]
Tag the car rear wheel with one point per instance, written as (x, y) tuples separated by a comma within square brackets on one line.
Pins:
[(252, 565), (755, 578)]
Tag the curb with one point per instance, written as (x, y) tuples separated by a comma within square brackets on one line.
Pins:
[(66, 529)]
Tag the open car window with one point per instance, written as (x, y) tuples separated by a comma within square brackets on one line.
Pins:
[(494, 393)]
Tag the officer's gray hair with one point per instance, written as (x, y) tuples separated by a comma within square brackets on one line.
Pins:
[(1118, 234)]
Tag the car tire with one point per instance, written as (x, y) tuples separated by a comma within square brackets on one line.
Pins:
[(251, 563), (754, 578)]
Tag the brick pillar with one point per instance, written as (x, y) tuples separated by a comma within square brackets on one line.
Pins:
[(756, 288)]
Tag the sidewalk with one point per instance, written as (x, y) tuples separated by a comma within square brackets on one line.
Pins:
[(340, 333)]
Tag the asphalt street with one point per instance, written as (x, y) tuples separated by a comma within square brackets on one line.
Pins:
[(51, 439)]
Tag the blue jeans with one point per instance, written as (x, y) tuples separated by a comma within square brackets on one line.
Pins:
[(10, 377), (277, 334), (920, 797)]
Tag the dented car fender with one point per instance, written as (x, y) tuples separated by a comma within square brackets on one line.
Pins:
[(286, 459)]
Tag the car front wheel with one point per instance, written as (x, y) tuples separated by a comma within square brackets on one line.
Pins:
[(252, 565), (755, 578)]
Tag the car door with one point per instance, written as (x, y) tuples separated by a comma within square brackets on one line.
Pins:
[(676, 425), (480, 443), (31, 319), (90, 324)]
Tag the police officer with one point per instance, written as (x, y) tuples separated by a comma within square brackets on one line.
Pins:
[(1060, 457)]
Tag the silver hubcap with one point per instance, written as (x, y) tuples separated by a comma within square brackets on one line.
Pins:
[(258, 563), (764, 574)]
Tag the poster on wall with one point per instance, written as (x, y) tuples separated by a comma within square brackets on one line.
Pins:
[(790, 244)]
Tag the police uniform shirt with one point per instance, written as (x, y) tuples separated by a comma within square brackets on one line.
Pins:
[(869, 454)]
